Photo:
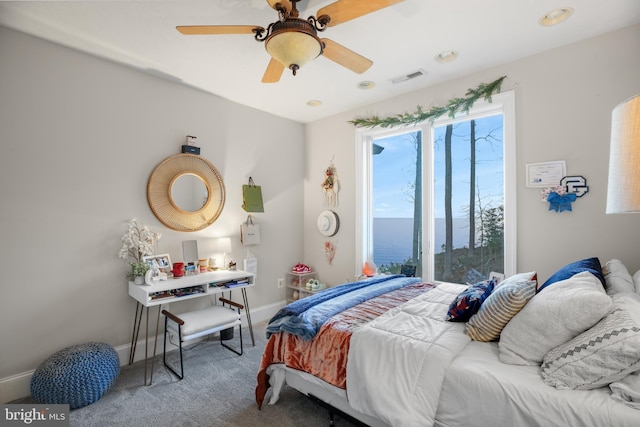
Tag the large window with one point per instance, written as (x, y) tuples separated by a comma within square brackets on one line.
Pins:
[(441, 196)]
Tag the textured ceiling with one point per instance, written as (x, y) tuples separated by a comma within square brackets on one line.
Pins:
[(399, 39)]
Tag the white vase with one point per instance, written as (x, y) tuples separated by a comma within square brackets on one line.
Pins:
[(138, 280)]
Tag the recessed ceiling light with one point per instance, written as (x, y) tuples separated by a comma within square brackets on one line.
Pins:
[(555, 16), (446, 56), (364, 85), (314, 103)]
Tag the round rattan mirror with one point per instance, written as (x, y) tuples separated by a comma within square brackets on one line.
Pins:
[(179, 179)]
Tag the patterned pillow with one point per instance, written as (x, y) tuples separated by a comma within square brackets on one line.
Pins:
[(636, 281), (606, 353), (503, 303), (468, 302), (592, 265)]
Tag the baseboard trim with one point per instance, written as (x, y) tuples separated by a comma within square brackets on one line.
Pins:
[(15, 386), (18, 386)]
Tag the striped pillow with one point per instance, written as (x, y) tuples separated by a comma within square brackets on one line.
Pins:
[(504, 303)]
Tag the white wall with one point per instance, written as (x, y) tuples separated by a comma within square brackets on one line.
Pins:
[(80, 137), (564, 100)]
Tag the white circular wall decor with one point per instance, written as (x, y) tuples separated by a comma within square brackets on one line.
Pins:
[(328, 223)]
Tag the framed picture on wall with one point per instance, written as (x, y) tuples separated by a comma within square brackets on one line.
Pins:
[(547, 174), (163, 260)]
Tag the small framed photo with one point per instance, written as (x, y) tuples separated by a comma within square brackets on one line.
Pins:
[(163, 260), (499, 277)]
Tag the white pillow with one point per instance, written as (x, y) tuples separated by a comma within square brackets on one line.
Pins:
[(617, 278), (636, 281), (519, 278), (604, 354), (555, 315)]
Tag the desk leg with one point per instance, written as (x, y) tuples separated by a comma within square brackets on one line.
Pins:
[(146, 346), (248, 313), (155, 344), (137, 320)]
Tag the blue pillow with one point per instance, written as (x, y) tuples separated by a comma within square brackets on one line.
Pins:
[(468, 302), (592, 265)]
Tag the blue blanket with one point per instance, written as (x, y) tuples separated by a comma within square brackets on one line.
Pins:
[(305, 316)]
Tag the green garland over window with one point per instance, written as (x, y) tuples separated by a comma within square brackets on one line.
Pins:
[(484, 90)]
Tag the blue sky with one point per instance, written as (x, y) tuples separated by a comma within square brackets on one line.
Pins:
[(394, 170)]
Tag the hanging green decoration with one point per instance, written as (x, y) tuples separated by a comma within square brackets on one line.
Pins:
[(455, 105)]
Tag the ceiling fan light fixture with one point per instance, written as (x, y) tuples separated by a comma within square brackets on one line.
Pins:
[(294, 43)]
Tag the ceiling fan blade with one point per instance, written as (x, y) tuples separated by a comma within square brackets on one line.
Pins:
[(346, 10), (273, 72), (285, 3), (345, 57), (217, 29)]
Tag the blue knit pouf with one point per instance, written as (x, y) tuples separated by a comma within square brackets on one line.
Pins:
[(78, 375)]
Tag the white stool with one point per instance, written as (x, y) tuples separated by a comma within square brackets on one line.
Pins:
[(195, 324)]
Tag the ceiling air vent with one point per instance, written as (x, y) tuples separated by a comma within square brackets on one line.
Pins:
[(409, 76)]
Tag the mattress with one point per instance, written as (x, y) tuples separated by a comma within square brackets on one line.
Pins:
[(478, 386)]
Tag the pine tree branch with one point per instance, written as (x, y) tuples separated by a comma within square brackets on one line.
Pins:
[(455, 105)]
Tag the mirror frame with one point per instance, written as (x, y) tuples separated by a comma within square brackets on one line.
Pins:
[(164, 207)]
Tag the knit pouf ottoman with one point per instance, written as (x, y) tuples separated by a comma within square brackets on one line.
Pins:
[(78, 375)]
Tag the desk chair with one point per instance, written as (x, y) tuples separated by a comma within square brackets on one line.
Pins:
[(195, 324)]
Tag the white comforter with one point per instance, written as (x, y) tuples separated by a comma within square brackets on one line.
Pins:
[(404, 354)]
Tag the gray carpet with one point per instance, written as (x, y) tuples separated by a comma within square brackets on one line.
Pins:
[(218, 390)]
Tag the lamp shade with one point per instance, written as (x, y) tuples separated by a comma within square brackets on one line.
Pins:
[(623, 194), (222, 245)]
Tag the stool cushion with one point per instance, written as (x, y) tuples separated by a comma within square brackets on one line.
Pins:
[(207, 318), (78, 375)]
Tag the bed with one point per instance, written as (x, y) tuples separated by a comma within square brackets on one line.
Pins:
[(395, 350)]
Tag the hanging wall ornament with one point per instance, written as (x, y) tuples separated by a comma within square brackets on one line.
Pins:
[(328, 223), (329, 251), (561, 196), (330, 186)]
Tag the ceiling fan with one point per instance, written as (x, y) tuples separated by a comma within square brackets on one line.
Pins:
[(292, 41)]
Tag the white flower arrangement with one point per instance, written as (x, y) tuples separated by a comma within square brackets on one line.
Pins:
[(137, 243)]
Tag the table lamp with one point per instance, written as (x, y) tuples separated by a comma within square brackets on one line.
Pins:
[(221, 245)]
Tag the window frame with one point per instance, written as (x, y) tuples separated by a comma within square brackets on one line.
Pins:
[(503, 103)]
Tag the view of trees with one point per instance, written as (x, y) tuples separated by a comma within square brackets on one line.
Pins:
[(467, 160)]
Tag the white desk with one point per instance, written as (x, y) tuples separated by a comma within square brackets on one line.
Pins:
[(181, 289)]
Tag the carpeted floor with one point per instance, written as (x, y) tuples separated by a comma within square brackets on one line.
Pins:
[(218, 390)]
